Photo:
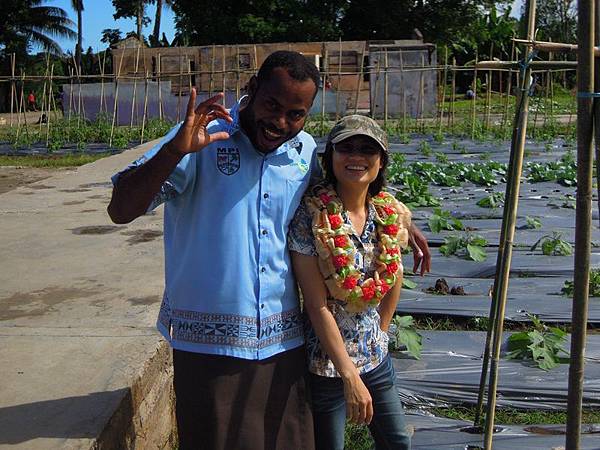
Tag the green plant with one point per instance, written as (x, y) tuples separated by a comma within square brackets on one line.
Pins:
[(408, 284), (531, 223), (406, 334), (441, 157), (415, 193), (543, 345), (425, 148), (357, 437), (466, 246), (443, 220), (593, 285), (553, 245), (494, 200)]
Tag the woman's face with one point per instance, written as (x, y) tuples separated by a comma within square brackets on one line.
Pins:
[(356, 161)]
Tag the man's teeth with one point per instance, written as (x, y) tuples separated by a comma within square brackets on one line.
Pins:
[(356, 167), (271, 135)]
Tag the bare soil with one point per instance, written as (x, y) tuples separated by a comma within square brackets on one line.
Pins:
[(13, 177)]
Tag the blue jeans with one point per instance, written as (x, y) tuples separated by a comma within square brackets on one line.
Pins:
[(388, 426)]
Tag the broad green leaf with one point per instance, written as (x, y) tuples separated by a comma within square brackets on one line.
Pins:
[(476, 253)]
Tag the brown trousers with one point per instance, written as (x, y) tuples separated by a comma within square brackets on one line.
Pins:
[(225, 403)]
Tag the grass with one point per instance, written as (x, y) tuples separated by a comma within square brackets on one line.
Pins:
[(67, 160), (511, 416)]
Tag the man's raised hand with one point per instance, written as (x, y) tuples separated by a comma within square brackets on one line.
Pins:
[(193, 136)]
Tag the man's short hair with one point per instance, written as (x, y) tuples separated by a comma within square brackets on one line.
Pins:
[(296, 65)]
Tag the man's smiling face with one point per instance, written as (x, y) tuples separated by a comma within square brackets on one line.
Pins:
[(277, 109)]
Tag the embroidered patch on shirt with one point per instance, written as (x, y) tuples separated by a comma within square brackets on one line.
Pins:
[(303, 166), (228, 160)]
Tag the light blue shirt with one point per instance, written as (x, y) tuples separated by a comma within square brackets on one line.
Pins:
[(229, 288)]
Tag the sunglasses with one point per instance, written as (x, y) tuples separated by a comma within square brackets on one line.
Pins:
[(348, 150)]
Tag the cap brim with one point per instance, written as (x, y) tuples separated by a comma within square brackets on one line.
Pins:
[(346, 134)]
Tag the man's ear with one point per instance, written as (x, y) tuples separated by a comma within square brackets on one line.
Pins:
[(252, 86)]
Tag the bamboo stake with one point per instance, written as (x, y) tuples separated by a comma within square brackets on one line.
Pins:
[(116, 101), (180, 82), (237, 72), (508, 88), (507, 237), (475, 94), (360, 77), (13, 89), (546, 96), (453, 99), (488, 97), (422, 93), (145, 112), (224, 67), (158, 79), (212, 71), (339, 83), (102, 66), (70, 95), (78, 73), (42, 106), (50, 99), (583, 216), (21, 109), (324, 90), (133, 99), (385, 89), (445, 74), (404, 112)]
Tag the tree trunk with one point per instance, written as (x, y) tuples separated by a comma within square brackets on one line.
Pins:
[(156, 32), (79, 47), (140, 20)]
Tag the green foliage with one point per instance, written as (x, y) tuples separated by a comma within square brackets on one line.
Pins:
[(406, 334), (441, 157), (443, 220), (408, 284), (425, 148), (531, 223), (415, 193), (593, 285), (553, 245), (543, 345), (563, 171), (466, 246), (357, 437), (494, 200)]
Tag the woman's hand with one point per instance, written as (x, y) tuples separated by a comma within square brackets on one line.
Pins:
[(359, 405)]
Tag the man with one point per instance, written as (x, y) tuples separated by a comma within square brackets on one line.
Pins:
[(232, 182)]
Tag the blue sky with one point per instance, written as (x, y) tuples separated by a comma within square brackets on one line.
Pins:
[(98, 15)]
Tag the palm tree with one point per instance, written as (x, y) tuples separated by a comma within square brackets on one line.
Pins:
[(156, 32), (78, 6), (31, 22)]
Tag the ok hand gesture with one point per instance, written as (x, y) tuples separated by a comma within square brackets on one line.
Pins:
[(193, 136)]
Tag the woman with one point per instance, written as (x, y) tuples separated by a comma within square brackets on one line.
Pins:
[(346, 241)]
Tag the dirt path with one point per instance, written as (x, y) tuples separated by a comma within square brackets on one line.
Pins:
[(13, 177)]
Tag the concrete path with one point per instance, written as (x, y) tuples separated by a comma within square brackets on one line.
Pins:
[(82, 364)]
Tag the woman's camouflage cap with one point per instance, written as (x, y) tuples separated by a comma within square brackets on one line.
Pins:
[(357, 125)]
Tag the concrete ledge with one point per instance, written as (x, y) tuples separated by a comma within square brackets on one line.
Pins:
[(83, 365)]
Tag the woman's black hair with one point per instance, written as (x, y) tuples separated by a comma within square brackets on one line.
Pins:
[(375, 187)]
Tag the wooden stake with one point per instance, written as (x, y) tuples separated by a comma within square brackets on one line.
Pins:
[(339, 85), (115, 111), (158, 79), (212, 73), (360, 77), (586, 17), (475, 94), (444, 75), (385, 89), (50, 99), (145, 112), (133, 99), (498, 306), (404, 112), (323, 91), (180, 82), (13, 89), (453, 94)]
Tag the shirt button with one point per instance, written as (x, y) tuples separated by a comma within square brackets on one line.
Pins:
[(263, 270), (262, 306), (266, 195), (265, 232)]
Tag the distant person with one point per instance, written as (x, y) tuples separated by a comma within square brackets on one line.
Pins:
[(470, 94), (31, 106)]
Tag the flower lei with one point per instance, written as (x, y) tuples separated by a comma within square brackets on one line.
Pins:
[(337, 250)]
